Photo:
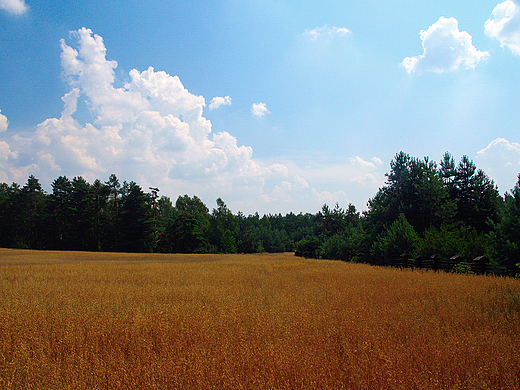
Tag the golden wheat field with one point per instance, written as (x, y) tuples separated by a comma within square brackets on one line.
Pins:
[(71, 320)]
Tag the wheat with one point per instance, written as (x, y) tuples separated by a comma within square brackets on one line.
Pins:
[(71, 320)]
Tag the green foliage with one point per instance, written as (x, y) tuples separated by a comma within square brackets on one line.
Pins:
[(185, 235), (422, 209), (462, 269), (134, 225), (399, 238), (476, 196), (415, 189), (335, 247), (506, 238), (344, 245), (227, 242), (442, 241), (223, 228), (195, 207), (446, 242), (308, 247)]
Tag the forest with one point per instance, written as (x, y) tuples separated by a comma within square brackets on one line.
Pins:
[(424, 208)]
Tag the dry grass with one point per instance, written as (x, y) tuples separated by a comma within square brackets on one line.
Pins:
[(125, 321)]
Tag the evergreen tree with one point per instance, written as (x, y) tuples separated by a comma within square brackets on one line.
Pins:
[(164, 219), (398, 239), (32, 213), (10, 215), (111, 214), (224, 228), (99, 193), (246, 241), (185, 235), (477, 199), (196, 208), (506, 236), (415, 189), (83, 209), (135, 233), (62, 214)]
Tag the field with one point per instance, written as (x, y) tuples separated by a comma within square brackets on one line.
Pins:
[(71, 320)]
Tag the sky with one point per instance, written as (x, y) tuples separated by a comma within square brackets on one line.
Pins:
[(275, 106)]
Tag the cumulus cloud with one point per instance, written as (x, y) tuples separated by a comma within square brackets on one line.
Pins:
[(5, 150), (365, 179), (15, 7), (445, 49), (377, 161), (359, 161), (300, 183), (328, 197), (500, 159), (151, 130), (4, 123), (508, 151), (152, 127), (259, 110), (218, 101), (326, 31), (505, 25)]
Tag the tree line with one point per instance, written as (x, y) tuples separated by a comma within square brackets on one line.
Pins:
[(424, 208), (122, 217)]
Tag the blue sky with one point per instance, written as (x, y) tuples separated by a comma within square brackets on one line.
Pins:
[(275, 106)]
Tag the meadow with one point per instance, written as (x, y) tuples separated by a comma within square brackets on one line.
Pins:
[(79, 320)]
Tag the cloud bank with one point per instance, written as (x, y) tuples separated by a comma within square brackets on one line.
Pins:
[(445, 49), (151, 130), (501, 161), (505, 25), (15, 7)]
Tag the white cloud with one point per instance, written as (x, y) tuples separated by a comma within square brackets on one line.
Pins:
[(300, 183), (360, 162), (326, 31), (505, 25), (16, 7), (445, 49), (152, 127), (377, 161), (501, 161), (330, 198), (281, 193), (259, 110), (366, 179), (218, 101), (5, 150), (501, 143), (88, 69), (279, 169), (151, 130), (4, 123)]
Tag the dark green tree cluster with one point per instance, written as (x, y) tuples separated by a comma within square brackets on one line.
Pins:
[(424, 209), (112, 216), (338, 234), (77, 216)]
